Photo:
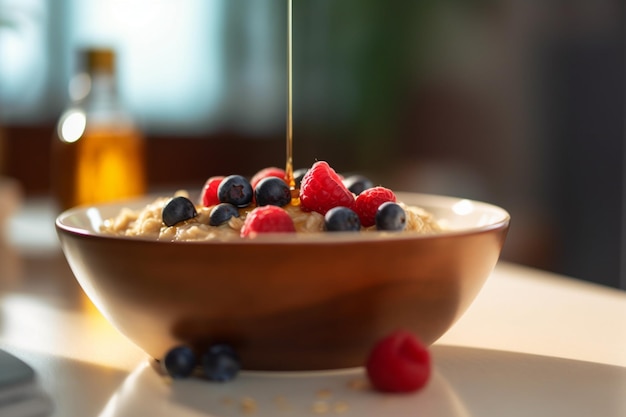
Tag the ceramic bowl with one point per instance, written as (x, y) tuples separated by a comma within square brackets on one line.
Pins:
[(305, 302)]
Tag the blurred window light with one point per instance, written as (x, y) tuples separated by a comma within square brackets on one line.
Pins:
[(23, 64), (185, 66), (80, 86), (169, 55), (72, 126)]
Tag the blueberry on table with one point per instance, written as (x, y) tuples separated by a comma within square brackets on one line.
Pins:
[(236, 190), (178, 209), (220, 363), (272, 191), (179, 362), (222, 213), (390, 216), (342, 219), (357, 183)]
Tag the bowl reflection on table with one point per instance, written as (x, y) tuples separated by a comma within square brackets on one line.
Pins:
[(305, 302), (270, 394)]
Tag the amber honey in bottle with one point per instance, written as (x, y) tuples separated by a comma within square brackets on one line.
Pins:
[(98, 151)]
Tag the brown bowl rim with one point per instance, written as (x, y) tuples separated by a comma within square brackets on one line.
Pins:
[(290, 238)]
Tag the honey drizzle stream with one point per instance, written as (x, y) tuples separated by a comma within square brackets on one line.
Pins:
[(289, 166), (295, 197)]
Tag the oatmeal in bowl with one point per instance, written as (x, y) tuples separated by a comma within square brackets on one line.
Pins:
[(309, 284), (230, 207)]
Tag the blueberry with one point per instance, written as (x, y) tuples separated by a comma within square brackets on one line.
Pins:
[(390, 216), (298, 174), (179, 362), (272, 191), (342, 219), (235, 190), (220, 363), (222, 213), (357, 183), (178, 209)]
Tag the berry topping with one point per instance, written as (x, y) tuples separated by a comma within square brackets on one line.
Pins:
[(178, 209), (209, 191), (367, 203), (267, 172), (222, 213), (236, 190), (342, 219), (390, 216), (267, 219), (272, 191), (220, 363), (357, 184), (179, 362), (322, 189), (399, 363), (298, 174)]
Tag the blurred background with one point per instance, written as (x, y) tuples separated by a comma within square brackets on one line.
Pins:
[(515, 102)]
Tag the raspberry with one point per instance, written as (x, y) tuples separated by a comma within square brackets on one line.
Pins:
[(399, 363), (367, 203), (209, 191), (267, 172), (267, 219), (322, 189)]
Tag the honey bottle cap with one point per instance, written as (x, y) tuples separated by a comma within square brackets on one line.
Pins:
[(99, 59)]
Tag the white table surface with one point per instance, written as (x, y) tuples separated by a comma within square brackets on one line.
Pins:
[(532, 344)]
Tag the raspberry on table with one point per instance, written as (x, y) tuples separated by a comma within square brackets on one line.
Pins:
[(366, 204), (399, 363), (322, 189), (209, 191), (267, 219)]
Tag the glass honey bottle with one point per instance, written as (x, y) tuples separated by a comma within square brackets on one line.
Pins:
[(98, 150)]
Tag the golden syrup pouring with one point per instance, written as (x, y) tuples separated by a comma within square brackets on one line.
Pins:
[(295, 200)]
